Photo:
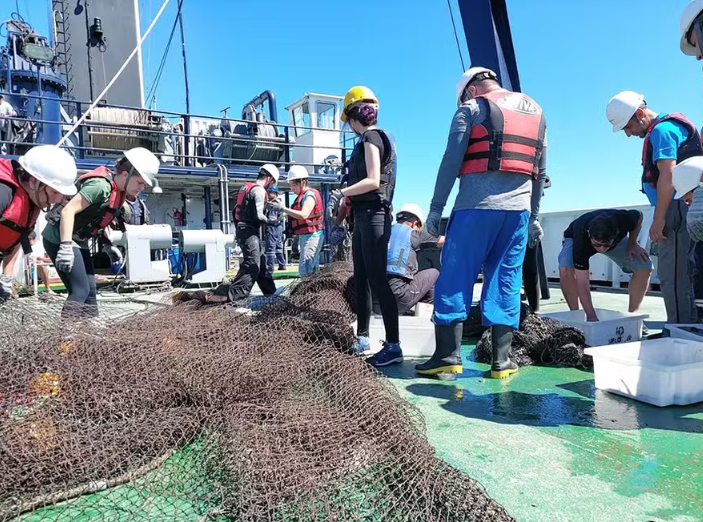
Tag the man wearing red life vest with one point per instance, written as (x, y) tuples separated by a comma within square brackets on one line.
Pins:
[(307, 220), (37, 180), (495, 148), (668, 139), (70, 226), (250, 217)]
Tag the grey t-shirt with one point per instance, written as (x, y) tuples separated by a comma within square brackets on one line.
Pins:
[(482, 190)]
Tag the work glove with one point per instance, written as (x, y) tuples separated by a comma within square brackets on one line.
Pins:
[(694, 217), (65, 258), (5, 287), (276, 204), (534, 232), (433, 221), (335, 197)]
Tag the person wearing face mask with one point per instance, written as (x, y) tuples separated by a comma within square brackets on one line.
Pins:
[(610, 232), (37, 180), (668, 140), (70, 226), (371, 183), (495, 148)]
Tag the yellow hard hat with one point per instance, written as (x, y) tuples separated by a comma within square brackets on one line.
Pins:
[(356, 94)]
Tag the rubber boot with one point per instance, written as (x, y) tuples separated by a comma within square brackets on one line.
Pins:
[(501, 340), (447, 356)]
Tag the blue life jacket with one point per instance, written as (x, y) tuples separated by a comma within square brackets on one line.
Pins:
[(399, 250)]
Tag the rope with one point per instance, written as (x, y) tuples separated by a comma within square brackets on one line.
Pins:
[(114, 78), (456, 36)]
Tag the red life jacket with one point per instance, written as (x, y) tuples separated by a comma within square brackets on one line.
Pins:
[(18, 219), (98, 217), (245, 209), (315, 220), (510, 139), (689, 148)]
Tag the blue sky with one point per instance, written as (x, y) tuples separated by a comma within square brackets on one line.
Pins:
[(572, 57)]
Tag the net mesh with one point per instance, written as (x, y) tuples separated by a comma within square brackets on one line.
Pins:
[(200, 412), (541, 341)]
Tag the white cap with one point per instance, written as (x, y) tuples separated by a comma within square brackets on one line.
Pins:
[(686, 176), (53, 166), (687, 18), (622, 107), (144, 162), (297, 172), (466, 79), (414, 209)]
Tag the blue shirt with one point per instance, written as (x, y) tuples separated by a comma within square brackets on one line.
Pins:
[(666, 138)]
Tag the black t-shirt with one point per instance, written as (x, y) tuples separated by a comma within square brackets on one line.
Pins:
[(6, 195), (357, 165), (626, 220)]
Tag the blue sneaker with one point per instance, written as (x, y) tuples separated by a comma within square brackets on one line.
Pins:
[(361, 344), (389, 354)]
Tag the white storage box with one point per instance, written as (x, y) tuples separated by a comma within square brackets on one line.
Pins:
[(416, 335), (612, 327), (693, 332), (661, 371)]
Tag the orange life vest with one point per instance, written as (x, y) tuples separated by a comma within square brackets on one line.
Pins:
[(314, 221), (18, 219), (510, 139)]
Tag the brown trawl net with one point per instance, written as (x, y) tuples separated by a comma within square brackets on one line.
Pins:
[(193, 412)]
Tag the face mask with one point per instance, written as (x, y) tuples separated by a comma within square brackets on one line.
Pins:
[(694, 218)]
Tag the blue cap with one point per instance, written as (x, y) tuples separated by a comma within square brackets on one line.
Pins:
[(273, 188)]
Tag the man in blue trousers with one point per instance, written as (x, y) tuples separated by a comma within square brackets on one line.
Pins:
[(274, 233), (495, 149)]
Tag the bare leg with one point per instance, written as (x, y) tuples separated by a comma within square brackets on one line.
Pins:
[(567, 282), (639, 284)]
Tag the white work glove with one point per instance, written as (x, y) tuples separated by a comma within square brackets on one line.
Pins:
[(534, 232), (65, 258), (433, 221), (5, 287), (276, 203)]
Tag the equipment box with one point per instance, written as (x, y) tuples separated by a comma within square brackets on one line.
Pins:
[(692, 332), (416, 335), (612, 327), (661, 372)]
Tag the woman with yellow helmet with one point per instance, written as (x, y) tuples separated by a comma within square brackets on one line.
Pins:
[(370, 186)]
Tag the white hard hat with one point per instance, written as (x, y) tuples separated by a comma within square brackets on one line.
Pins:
[(414, 209), (144, 162), (622, 107), (53, 166), (686, 176), (466, 79), (271, 170), (297, 172), (687, 18)]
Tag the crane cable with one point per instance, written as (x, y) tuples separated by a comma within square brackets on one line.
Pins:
[(456, 36), (160, 70), (117, 74)]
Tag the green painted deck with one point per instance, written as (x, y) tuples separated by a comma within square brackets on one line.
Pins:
[(549, 447)]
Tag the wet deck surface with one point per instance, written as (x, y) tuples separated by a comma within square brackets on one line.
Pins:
[(549, 447)]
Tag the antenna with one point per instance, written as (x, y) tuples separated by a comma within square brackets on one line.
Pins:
[(224, 111)]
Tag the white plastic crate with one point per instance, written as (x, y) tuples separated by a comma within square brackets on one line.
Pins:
[(611, 328), (416, 335), (692, 332), (661, 371)]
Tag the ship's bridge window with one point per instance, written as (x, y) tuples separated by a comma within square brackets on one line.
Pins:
[(301, 118), (325, 115)]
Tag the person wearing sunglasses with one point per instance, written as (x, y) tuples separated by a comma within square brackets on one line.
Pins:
[(611, 232)]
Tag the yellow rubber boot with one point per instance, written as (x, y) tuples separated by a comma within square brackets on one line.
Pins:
[(447, 355), (501, 340)]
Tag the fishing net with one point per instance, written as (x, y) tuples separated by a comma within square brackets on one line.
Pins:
[(541, 341), (199, 412)]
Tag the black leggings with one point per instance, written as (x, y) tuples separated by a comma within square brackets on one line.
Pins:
[(80, 281), (372, 231)]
